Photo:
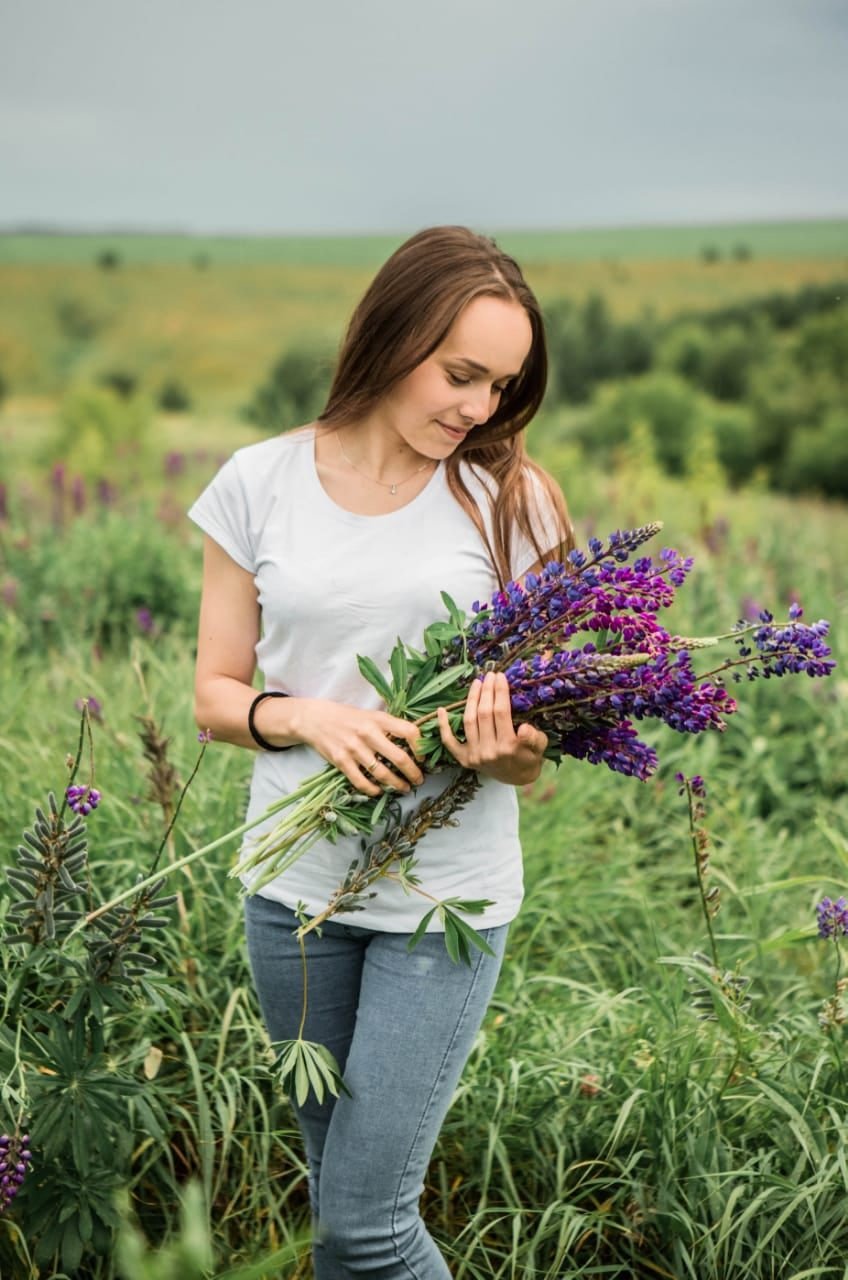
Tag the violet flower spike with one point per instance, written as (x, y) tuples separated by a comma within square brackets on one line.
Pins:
[(832, 918)]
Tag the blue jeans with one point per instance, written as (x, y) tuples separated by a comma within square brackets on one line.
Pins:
[(401, 1026)]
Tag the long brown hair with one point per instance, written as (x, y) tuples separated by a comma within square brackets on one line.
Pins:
[(403, 317)]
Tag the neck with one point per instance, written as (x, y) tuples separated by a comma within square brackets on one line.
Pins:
[(380, 452)]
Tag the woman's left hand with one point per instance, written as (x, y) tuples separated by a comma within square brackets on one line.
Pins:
[(492, 744)]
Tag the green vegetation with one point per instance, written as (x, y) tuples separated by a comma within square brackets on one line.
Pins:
[(821, 238), (604, 1127)]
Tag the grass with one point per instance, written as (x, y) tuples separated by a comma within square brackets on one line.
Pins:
[(600, 1129), (217, 330), (813, 238)]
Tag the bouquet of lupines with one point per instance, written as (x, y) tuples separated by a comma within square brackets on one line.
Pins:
[(585, 655)]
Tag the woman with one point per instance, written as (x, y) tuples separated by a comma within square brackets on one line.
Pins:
[(328, 542)]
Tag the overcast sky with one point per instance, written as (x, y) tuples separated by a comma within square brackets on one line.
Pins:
[(355, 115)]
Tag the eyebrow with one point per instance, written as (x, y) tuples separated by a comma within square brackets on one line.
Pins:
[(480, 368)]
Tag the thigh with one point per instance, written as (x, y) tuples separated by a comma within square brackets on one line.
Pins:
[(334, 974), (418, 1016)]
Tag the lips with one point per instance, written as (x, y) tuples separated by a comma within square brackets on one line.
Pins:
[(455, 431)]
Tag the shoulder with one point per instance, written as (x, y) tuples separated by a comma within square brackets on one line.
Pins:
[(275, 451)]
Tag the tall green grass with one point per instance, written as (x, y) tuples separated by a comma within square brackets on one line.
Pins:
[(601, 1128)]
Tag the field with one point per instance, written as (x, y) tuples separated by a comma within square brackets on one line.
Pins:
[(604, 1126)]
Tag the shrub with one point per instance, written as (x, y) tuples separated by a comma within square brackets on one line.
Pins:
[(111, 576), (822, 344), (728, 360), (665, 402), (733, 429), (173, 397), (100, 434), (684, 349), (817, 458), (77, 321), (121, 381), (295, 390), (710, 254), (586, 347), (108, 260)]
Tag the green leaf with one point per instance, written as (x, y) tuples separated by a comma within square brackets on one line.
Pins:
[(453, 939), (453, 675), (378, 808), (421, 676), (469, 934), (397, 662), (371, 672), (422, 929), (470, 906), (332, 1074), (315, 1072), (301, 1079), (457, 617)]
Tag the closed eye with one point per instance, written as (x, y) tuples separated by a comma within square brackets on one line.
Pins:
[(465, 382)]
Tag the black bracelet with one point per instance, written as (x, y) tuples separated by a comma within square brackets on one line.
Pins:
[(254, 732)]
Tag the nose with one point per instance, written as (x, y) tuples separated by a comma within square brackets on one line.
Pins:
[(477, 405)]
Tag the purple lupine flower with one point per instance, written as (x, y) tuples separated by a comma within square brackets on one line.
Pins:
[(832, 918), (144, 620), (82, 799), (175, 463), (15, 1158), (78, 495), (560, 679), (95, 707), (106, 493)]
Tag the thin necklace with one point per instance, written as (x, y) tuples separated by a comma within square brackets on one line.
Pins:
[(396, 484)]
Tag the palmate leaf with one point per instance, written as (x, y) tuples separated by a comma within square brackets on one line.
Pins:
[(304, 1065), (460, 937)]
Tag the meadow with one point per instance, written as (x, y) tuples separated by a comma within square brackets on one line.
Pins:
[(629, 1110)]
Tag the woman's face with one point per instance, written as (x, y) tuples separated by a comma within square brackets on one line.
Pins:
[(459, 386)]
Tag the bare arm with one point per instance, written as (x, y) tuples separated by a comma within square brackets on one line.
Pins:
[(348, 737)]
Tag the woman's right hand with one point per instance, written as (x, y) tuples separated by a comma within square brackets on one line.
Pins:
[(355, 740)]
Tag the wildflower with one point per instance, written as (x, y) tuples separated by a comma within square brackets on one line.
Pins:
[(95, 707), (15, 1157), (585, 654), (82, 799), (832, 918), (175, 463), (590, 1085), (144, 620), (205, 735)]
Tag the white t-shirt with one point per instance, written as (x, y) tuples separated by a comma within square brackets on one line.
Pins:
[(333, 585)]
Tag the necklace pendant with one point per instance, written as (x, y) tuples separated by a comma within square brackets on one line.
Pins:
[(393, 490)]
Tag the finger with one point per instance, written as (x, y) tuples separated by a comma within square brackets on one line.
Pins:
[(398, 761), (356, 774), (457, 749), (504, 728), (485, 732), (533, 738), (401, 729)]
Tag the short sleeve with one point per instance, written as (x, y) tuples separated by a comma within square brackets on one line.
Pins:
[(222, 512), (546, 526)]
